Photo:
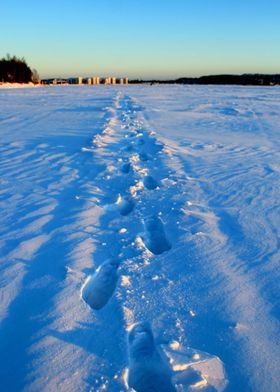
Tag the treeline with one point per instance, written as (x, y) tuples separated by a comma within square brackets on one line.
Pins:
[(16, 70), (245, 80)]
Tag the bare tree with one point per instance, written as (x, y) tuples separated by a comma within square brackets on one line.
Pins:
[(35, 76)]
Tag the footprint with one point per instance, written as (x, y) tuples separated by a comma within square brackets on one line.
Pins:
[(150, 183), (140, 130), (148, 369), (125, 205), (99, 287), (132, 134), (143, 157), (154, 238), (140, 141), (125, 168)]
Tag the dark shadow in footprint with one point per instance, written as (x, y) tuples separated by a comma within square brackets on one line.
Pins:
[(125, 168), (155, 238), (150, 183), (140, 141), (143, 157), (148, 368), (125, 206)]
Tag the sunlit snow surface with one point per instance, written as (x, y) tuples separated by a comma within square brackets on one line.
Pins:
[(181, 184)]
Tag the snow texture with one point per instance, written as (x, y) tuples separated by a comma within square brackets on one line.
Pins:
[(181, 185)]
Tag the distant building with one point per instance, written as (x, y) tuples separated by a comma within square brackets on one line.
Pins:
[(95, 80), (58, 81), (73, 80), (78, 80)]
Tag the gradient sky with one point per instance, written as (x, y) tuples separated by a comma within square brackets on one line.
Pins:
[(142, 38)]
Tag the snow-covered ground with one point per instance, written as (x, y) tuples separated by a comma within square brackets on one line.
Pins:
[(17, 85), (138, 204)]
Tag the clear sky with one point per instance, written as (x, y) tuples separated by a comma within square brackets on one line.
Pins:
[(142, 38)]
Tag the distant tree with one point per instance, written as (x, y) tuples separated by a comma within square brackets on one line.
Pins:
[(14, 70)]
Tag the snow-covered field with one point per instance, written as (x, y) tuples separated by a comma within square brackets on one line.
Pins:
[(172, 194), (17, 85)]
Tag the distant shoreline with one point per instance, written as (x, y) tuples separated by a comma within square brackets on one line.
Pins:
[(223, 79), (238, 80)]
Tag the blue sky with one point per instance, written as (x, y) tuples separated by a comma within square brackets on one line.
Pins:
[(141, 38)]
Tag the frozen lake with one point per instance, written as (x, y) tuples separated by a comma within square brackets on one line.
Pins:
[(132, 204)]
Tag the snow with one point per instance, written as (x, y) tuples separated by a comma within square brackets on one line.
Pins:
[(17, 85), (180, 184)]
